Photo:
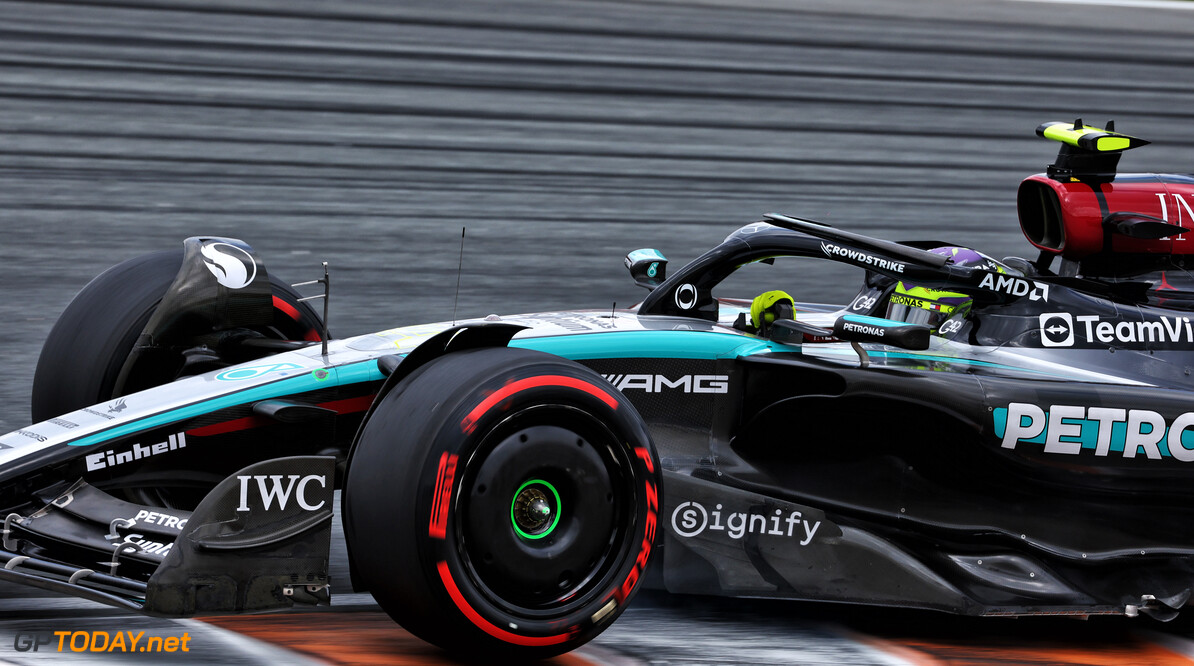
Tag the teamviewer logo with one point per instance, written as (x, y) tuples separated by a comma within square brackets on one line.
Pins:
[(1057, 329)]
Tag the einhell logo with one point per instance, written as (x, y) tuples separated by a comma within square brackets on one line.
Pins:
[(112, 458)]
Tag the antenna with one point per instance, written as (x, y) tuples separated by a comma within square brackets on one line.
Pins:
[(459, 270), (326, 281)]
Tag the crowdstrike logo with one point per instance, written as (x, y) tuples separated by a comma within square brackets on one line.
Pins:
[(691, 519), (233, 267), (862, 257)]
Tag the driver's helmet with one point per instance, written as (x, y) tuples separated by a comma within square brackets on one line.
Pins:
[(769, 306), (913, 304)]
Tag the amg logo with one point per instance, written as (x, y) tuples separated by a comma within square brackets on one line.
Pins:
[(876, 331), (111, 458), (282, 492), (1007, 284), (660, 383)]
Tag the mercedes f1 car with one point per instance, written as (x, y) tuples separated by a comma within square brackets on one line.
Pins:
[(968, 435)]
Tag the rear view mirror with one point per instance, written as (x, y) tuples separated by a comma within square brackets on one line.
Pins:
[(859, 328), (647, 267)]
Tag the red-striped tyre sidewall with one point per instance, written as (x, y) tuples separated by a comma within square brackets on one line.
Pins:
[(439, 430)]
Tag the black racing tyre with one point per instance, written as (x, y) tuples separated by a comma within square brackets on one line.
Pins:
[(82, 357), (502, 503)]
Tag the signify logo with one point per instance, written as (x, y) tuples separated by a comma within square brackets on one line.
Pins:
[(691, 518)]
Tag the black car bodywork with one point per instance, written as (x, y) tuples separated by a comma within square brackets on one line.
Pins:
[(1031, 457)]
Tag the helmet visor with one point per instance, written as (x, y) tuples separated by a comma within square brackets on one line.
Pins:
[(917, 309)]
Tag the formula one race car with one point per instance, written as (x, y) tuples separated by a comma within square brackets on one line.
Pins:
[(967, 435)]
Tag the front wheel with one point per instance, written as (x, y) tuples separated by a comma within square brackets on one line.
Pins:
[(502, 503)]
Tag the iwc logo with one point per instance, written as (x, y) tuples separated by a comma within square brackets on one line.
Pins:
[(233, 267)]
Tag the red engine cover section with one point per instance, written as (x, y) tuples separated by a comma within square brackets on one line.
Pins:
[(1067, 218)]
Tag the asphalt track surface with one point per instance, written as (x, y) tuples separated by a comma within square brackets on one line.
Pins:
[(562, 134)]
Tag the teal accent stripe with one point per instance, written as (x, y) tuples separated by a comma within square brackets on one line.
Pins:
[(708, 345), (943, 359), (650, 344), (349, 374), (873, 321)]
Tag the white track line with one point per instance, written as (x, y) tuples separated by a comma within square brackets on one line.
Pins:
[(1146, 4)]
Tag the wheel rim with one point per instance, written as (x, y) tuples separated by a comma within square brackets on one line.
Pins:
[(545, 511)]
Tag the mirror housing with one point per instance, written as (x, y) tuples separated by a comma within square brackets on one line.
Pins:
[(860, 328), (648, 267)]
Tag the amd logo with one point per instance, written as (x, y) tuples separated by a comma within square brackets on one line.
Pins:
[(271, 487), (659, 383), (1007, 284)]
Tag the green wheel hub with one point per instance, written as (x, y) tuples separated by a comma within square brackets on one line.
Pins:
[(535, 509)]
